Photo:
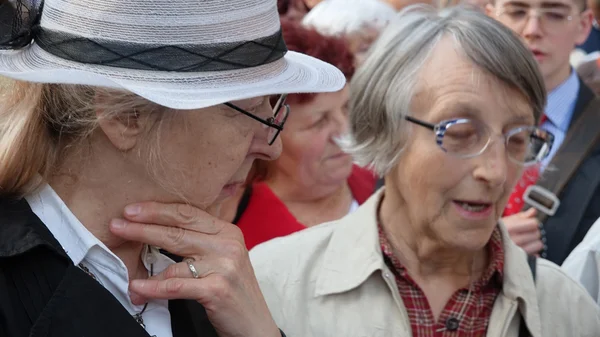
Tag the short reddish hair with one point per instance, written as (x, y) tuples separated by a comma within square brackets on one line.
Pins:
[(308, 41)]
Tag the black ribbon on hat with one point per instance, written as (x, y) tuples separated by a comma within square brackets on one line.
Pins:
[(20, 27)]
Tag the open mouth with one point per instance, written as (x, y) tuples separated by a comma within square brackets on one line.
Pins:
[(475, 207)]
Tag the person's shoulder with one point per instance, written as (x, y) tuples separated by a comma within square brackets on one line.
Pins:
[(562, 298), (299, 246)]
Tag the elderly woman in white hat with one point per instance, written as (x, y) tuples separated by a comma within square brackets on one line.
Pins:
[(128, 123), (448, 117)]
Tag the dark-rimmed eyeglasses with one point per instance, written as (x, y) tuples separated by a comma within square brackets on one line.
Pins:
[(275, 123), (467, 138)]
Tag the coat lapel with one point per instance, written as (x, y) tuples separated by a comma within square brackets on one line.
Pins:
[(189, 319), (80, 306), (77, 305), (561, 228)]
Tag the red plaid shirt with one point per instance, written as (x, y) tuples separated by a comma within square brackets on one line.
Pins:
[(476, 316)]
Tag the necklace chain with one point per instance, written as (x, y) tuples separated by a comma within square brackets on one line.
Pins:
[(465, 303), (138, 317)]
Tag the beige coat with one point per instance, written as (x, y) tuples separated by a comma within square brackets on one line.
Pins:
[(331, 280)]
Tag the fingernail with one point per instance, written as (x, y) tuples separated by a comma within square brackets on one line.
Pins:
[(118, 223), (133, 210), (136, 284)]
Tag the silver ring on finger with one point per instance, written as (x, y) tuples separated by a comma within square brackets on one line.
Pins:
[(191, 267)]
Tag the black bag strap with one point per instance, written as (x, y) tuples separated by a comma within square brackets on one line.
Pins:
[(580, 139), (532, 261)]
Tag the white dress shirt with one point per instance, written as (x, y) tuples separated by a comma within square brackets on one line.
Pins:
[(83, 247)]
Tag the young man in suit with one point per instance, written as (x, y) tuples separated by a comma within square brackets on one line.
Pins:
[(551, 29)]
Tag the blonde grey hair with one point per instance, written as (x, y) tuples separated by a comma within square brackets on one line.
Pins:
[(42, 124), (382, 89)]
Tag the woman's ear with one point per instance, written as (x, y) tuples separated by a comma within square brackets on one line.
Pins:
[(122, 130)]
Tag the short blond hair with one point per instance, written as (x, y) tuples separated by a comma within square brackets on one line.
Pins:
[(42, 123)]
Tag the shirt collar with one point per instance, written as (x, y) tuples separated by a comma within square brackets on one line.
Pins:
[(492, 276), (561, 102), (74, 238), (353, 254)]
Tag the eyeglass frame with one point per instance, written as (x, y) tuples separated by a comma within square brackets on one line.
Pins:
[(269, 122), (440, 128), (538, 12)]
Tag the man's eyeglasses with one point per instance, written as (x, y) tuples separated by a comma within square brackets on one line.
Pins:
[(551, 19), (467, 138), (275, 123)]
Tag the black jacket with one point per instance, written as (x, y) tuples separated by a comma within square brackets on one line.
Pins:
[(43, 294), (580, 199)]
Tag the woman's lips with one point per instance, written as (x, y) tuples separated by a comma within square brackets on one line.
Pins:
[(338, 155), (539, 55), (473, 210)]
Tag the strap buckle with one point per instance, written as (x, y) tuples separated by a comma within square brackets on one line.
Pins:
[(542, 199)]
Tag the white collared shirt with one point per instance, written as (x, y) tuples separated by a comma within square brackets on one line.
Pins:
[(83, 247)]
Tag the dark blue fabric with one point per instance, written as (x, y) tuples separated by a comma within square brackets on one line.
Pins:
[(592, 43)]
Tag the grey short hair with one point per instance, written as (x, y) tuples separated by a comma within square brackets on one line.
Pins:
[(345, 17), (383, 87)]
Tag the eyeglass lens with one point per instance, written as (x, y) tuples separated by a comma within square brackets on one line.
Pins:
[(549, 18), (468, 138)]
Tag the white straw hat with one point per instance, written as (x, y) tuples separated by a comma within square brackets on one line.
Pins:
[(183, 54)]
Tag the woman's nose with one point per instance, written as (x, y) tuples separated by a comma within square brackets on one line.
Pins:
[(273, 151), (493, 164), (341, 123)]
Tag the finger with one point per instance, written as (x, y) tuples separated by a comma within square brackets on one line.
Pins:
[(526, 238), (518, 226), (176, 240), (529, 213), (533, 247), (183, 270), (136, 298), (183, 288), (181, 215)]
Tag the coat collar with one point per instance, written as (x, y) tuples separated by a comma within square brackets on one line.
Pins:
[(354, 254), (21, 230), (80, 306)]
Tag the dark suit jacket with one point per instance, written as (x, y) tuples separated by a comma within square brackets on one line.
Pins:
[(580, 199), (43, 294)]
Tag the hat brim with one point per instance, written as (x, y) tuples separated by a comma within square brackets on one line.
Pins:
[(294, 73)]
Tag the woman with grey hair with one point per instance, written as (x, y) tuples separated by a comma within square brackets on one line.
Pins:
[(127, 125), (447, 116)]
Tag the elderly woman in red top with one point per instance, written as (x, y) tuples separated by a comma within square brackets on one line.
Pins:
[(448, 118), (313, 181)]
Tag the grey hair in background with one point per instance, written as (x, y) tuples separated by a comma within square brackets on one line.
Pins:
[(342, 17), (383, 87)]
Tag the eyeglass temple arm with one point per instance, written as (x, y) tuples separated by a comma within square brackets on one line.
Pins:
[(256, 118), (420, 122)]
